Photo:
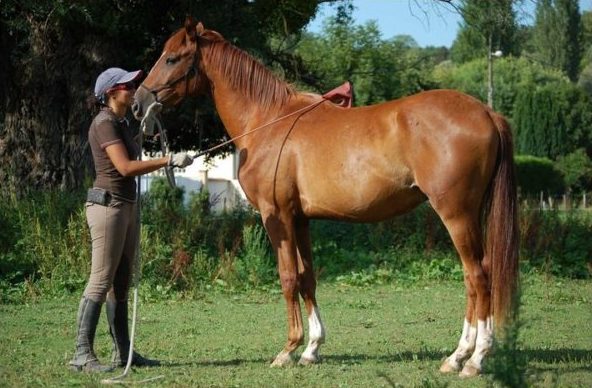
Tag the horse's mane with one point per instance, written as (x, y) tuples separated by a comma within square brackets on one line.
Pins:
[(245, 73)]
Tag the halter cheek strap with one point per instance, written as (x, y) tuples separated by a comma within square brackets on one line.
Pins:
[(191, 71)]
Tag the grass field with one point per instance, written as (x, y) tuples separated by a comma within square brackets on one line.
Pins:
[(383, 335)]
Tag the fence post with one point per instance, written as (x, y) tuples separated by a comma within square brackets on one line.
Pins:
[(564, 201)]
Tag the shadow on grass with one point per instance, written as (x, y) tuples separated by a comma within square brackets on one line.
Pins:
[(546, 356), (422, 355), (206, 363), (555, 356)]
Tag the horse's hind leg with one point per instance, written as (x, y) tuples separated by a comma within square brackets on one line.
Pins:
[(466, 344), (476, 338), (316, 330), (283, 240)]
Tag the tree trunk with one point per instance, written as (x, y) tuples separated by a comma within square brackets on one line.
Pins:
[(43, 138)]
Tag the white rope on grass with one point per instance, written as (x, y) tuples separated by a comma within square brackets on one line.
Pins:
[(146, 126)]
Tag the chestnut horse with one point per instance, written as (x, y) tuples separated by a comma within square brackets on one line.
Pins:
[(313, 159)]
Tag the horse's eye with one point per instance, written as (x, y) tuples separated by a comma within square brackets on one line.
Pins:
[(171, 60)]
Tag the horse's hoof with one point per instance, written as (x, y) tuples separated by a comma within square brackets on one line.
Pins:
[(470, 370), (447, 367), (308, 361), (282, 359)]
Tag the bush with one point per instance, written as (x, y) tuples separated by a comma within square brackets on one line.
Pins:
[(552, 120), (557, 242), (45, 246), (576, 169), (43, 231), (535, 175)]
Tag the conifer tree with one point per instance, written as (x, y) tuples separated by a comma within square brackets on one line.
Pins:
[(486, 25), (558, 34)]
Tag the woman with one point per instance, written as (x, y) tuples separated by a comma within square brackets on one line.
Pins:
[(111, 212)]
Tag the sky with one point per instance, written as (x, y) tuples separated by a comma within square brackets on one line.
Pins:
[(427, 23)]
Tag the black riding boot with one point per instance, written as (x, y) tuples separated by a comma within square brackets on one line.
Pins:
[(117, 317), (84, 359)]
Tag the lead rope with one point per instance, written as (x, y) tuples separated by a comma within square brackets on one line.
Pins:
[(306, 108), (137, 272)]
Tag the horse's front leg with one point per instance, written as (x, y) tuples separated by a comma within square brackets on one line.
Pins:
[(308, 285), (283, 240)]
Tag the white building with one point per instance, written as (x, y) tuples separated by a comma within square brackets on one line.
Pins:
[(220, 177)]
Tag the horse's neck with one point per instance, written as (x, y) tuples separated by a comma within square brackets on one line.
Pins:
[(243, 108)]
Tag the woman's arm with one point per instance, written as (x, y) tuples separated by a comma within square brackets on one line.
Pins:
[(126, 167)]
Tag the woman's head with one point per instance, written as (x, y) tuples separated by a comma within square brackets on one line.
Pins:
[(116, 86)]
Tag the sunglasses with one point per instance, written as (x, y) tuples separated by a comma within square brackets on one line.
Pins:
[(125, 86)]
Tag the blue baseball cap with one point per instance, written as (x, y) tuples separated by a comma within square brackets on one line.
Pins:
[(114, 76)]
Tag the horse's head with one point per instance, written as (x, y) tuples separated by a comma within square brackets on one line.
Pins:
[(177, 73)]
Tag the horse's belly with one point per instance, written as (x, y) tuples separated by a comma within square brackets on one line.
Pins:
[(365, 206)]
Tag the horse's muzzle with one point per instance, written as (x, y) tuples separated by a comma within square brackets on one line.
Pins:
[(142, 100), (137, 110)]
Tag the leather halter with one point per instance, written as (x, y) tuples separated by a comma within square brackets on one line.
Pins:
[(190, 72)]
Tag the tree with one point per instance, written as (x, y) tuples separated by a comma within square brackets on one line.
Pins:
[(587, 36), (557, 35), (487, 26), (552, 120), (57, 49), (535, 175), (585, 80), (576, 168), (380, 69), (511, 75)]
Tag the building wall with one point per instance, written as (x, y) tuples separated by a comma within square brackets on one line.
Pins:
[(219, 176)]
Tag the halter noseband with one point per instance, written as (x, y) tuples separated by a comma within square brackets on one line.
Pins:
[(164, 143), (191, 71)]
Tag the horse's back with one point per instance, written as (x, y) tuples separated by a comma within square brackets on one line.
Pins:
[(371, 163)]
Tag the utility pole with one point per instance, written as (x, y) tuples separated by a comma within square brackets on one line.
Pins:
[(489, 72), (490, 56)]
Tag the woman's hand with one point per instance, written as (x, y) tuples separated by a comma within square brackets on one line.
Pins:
[(180, 159)]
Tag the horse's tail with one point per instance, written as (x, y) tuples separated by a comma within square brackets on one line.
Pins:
[(502, 236)]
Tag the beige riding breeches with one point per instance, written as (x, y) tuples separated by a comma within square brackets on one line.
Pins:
[(114, 234)]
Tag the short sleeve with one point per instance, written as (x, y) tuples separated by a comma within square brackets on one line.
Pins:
[(106, 133)]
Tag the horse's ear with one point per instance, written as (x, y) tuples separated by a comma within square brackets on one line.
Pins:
[(199, 28), (190, 27)]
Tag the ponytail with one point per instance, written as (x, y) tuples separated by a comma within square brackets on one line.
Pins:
[(94, 104)]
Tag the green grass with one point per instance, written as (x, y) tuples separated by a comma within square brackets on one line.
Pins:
[(381, 335)]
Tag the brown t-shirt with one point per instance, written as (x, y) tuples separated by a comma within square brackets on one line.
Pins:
[(107, 129)]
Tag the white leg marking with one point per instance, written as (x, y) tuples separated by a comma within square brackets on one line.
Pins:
[(483, 346), (316, 334), (466, 345)]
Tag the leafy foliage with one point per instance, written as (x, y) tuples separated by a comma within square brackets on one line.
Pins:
[(486, 26), (536, 175), (552, 120), (508, 365), (380, 70), (576, 168), (512, 75), (43, 114), (187, 249), (558, 35), (555, 242)]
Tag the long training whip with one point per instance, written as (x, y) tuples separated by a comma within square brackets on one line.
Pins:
[(147, 123)]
